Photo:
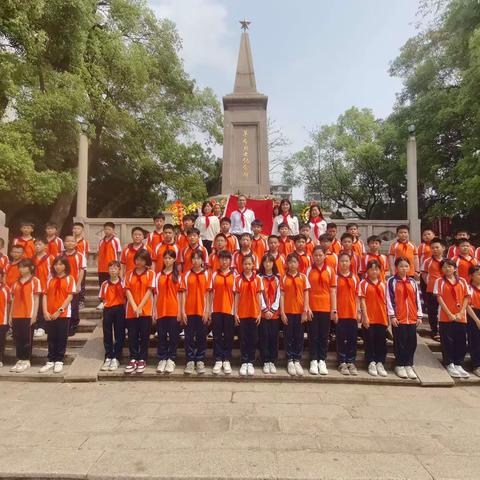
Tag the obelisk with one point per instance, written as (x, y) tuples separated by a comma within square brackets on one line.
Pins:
[(245, 143)]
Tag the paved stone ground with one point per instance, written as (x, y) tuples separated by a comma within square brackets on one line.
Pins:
[(238, 430)]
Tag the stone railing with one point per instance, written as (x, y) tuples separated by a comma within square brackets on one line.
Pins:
[(3, 229)]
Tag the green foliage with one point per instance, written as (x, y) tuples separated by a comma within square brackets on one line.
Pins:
[(113, 63), (440, 68), (346, 165)]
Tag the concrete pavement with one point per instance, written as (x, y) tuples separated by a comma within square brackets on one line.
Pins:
[(238, 430)]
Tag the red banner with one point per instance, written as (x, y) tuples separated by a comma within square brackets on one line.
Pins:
[(263, 210)]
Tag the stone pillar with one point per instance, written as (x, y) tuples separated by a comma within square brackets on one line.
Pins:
[(3, 229), (412, 188), (82, 179)]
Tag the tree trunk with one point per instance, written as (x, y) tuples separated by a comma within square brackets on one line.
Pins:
[(61, 209)]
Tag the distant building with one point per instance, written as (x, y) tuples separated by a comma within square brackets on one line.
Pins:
[(280, 190)]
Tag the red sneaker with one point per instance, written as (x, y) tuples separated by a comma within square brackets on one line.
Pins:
[(141, 366), (131, 367)]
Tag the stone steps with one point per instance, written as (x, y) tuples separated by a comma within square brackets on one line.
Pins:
[(333, 377)]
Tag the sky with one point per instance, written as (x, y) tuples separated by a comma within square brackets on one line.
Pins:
[(313, 58)]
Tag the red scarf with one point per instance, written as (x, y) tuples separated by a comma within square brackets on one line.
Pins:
[(21, 287), (118, 288), (242, 216), (315, 222), (293, 277), (453, 290), (269, 295), (379, 292), (207, 219), (285, 218), (251, 283), (405, 282)]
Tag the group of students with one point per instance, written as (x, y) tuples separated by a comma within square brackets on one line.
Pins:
[(250, 284)]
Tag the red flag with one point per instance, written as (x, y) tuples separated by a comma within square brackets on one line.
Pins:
[(263, 210)]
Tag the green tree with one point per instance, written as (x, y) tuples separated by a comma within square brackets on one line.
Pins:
[(113, 63), (440, 68), (347, 166)]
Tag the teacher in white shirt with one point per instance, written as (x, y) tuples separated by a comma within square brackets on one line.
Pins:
[(208, 225), (242, 217)]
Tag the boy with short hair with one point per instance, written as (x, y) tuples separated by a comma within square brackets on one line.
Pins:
[(156, 237), (245, 250), (310, 244), (431, 272), (232, 240), (464, 259), (358, 246), (305, 261), (374, 242), (109, 249), (332, 231), (453, 249), (259, 243), (219, 245), (82, 246), (26, 239), (128, 253), (43, 265), (78, 265), (403, 247), (12, 273), (194, 244), (347, 247), (286, 245), (424, 251), (187, 224), (55, 243), (273, 248), (168, 243), (331, 259)]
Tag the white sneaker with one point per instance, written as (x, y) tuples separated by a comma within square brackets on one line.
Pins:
[(48, 366), (273, 368), (250, 369), (401, 372), (298, 368), (322, 367), (452, 371), (100, 306), (463, 373), (39, 332), (189, 368), (217, 368), (201, 368), (313, 367), (1, 364), (161, 366), (114, 364), (243, 370), (411, 373), (106, 364), (14, 368), (372, 369), (58, 367), (381, 370), (23, 366), (266, 368), (170, 366), (291, 368), (227, 368)]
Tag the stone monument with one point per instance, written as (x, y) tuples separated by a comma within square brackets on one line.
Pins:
[(245, 143)]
